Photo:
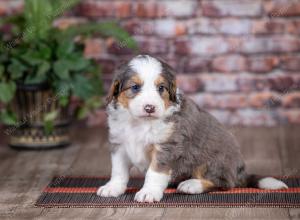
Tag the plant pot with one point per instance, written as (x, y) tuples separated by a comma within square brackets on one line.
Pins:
[(31, 104)]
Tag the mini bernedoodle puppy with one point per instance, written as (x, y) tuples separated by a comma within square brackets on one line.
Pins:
[(155, 128)]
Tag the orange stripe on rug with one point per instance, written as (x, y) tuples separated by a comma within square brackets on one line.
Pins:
[(134, 189)]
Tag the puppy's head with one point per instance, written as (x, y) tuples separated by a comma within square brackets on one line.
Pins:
[(145, 86)]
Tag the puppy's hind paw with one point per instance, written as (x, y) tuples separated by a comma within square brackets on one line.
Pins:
[(191, 186)]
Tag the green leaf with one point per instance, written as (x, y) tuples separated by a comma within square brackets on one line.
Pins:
[(44, 51), (61, 69), (82, 112), (49, 119), (63, 101), (48, 127), (38, 22), (81, 87), (78, 63), (16, 69), (7, 91), (39, 76), (2, 69), (62, 87), (60, 6), (8, 117), (51, 116), (43, 69), (93, 103), (65, 48), (36, 55)]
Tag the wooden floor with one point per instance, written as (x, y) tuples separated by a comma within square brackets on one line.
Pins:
[(23, 174)]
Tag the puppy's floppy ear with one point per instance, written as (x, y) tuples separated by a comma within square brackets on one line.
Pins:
[(172, 91), (170, 75), (113, 91), (116, 87)]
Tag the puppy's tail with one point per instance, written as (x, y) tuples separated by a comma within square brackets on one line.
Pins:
[(263, 182)]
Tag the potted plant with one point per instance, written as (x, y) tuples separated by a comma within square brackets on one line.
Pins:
[(43, 68)]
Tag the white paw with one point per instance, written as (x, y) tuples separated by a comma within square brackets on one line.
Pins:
[(191, 186), (111, 190), (271, 183), (148, 195)]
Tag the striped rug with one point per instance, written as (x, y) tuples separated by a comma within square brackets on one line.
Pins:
[(80, 191)]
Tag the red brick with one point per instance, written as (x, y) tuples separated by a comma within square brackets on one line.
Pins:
[(268, 26), (290, 62), (152, 45), (139, 27), (209, 45), (172, 61), (196, 64), (169, 28), (293, 26), (281, 83), (220, 8), (179, 8), (262, 64), (229, 63), (123, 9), (147, 9), (246, 82), (261, 84), (180, 29), (64, 23), (189, 83), (231, 26), (182, 47), (291, 100), (95, 9), (107, 65), (106, 80), (221, 101), (282, 8), (11, 7), (219, 82), (118, 48), (93, 48), (272, 44), (264, 100)]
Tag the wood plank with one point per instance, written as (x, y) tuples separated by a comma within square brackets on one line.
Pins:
[(25, 173), (226, 213)]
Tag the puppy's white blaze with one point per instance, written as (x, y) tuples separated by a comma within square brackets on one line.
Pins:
[(271, 183), (191, 186), (146, 66), (154, 186)]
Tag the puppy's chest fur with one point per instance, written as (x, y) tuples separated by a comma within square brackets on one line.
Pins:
[(138, 136)]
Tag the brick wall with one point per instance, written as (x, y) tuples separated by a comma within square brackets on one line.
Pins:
[(239, 59)]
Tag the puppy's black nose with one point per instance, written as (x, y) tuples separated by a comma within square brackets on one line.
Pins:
[(149, 109)]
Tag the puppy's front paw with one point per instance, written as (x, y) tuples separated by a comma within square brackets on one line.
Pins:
[(148, 195), (111, 190)]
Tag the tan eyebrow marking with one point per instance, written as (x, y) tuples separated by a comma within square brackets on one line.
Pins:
[(165, 95), (126, 93)]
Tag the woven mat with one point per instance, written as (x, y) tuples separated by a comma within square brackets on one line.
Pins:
[(80, 191)]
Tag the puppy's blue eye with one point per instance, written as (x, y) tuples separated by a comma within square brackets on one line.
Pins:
[(161, 89), (135, 88)]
